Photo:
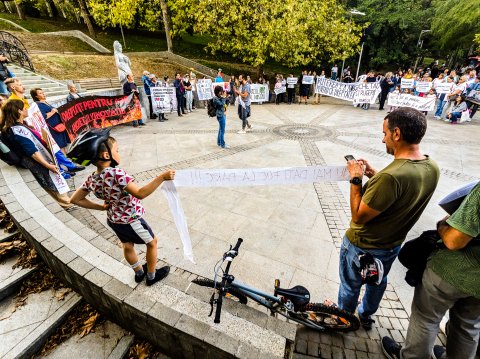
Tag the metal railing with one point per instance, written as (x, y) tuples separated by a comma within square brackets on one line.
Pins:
[(14, 49)]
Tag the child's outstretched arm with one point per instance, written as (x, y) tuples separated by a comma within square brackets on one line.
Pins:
[(149, 188), (80, 199)]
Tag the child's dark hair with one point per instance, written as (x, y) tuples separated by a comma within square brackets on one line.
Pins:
[(218, 90), (103, 147)]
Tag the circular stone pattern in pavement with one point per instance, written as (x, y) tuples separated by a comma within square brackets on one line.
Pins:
[(299, 131)]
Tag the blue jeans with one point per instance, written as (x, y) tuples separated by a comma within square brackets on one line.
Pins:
[(455, 116), (221, 130), (351, 281), (244, 113), (440, 106), (63, 160)]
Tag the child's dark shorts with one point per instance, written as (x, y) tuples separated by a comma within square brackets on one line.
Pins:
[(138, 231)]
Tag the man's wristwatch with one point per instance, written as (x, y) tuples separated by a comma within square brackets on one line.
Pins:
[(356, 181)]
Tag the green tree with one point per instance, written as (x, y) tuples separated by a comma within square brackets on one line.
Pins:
[(395, 26), (291, 32), (455, 22)]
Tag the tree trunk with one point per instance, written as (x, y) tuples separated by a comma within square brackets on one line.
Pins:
[(49, 9), (86, 18), (166, 23), (260, 71), (20, 13)]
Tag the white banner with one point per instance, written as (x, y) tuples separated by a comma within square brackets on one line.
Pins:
[(407, 83), (423, 86), (280, 90), (164, 99), (259, 176), (366, 92), (340, 90), (292, 80), (307, 80), (444, 88), (204, 89), (259, 93), (404, 100)]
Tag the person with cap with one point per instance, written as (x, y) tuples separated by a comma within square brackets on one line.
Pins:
[(219, 77), (121, 198), (384, 209)]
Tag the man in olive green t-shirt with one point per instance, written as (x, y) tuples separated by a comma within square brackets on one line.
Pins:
[(450, 282), (385, 209)]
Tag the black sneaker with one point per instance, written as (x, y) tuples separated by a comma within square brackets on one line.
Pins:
[(139, 278), (438, 351), (76, 169), (367, 324), (159, 275), (390, 348)]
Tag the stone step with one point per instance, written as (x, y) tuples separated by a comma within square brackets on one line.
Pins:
[(24, 330), (12, 279), (107, 341)]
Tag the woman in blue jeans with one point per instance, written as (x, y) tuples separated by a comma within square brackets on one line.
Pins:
[(219, 103), (457, 108)]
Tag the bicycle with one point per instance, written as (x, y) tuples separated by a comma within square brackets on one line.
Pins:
[(291, 303)]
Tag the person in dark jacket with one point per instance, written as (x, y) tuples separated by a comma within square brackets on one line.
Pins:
[(385, 84), (179, 93)]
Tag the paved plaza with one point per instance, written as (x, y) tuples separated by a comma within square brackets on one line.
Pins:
[(292, 232)]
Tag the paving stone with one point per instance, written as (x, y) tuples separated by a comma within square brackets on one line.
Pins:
[(301, 346), (194, 327), (350, 354), (246, 351), (65, 255), (400, 314), (40, 234), (117, 289), (164, 314), (80, 266), (97, 277)]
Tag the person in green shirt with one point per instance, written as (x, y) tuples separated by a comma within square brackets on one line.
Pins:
[(450, 282), (385, 209)]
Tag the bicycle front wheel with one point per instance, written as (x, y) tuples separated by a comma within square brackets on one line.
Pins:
[(231, 293), (323, 317)]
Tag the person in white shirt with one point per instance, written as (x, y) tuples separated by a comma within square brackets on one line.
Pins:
[(334, 72)]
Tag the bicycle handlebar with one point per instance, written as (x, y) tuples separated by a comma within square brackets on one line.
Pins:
[(222, 286)]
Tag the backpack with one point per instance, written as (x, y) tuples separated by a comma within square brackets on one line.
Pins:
[(6, 154), (211, 110)]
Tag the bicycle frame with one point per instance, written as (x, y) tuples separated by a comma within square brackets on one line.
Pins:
[(257, 295)]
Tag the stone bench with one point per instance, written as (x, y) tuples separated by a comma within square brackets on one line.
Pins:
[(171, 314)]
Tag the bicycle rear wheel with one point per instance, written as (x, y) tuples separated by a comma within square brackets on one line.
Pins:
[(231, 293), (323, 317)]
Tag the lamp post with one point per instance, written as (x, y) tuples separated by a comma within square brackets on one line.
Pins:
[(419, 45), (352, 12)]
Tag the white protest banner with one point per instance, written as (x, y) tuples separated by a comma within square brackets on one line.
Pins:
[(423, 86), (366, 92), (259, 93), (204, 89), (35, 119), (444, 87), (292, 80), (240, 177), (416, 102), (280, 90), (340, 90), (259, 176), (163, 99), (225, 86), (307, 80), (407, 83)]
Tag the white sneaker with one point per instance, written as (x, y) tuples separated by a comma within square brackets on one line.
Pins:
[(249, 128), (242, 131), (436, 117), (447, 120)]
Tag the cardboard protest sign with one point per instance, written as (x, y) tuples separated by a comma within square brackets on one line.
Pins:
[(280, 90), (307, 80), (99, 112), (366, 92), (423, 86), (444, 87), (204, 89), (292, 80), (164, 99), (259, 93), (407, 83), (416, 102)]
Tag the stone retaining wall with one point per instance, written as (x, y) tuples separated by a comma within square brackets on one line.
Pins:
[(171, 314)]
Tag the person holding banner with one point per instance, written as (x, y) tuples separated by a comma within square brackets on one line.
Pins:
[(290, 89), (122, 200), (304, 88), (219, 102), (34, 152), (130, 87)]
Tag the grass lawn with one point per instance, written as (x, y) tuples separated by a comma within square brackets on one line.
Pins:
[(193, 47)]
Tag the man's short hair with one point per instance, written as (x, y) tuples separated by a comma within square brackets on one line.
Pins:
[(412, 124)]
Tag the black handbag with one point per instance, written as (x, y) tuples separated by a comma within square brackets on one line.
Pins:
[(414, 255)]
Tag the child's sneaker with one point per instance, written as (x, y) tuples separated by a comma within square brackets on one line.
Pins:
[(159, 275), (139, 278)]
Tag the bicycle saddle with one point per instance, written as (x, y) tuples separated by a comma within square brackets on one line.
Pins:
[(298, 295)]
